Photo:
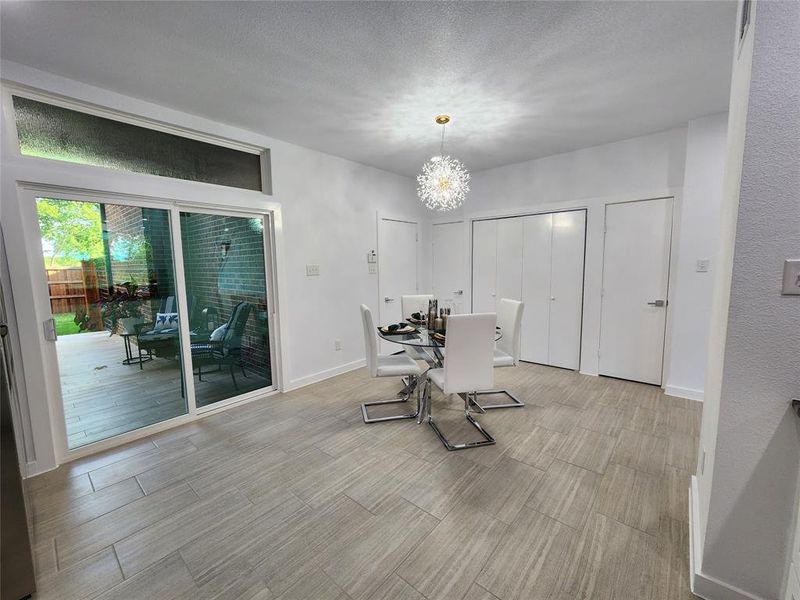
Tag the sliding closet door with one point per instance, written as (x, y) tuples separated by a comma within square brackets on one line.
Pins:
[(566, 288), (509, 259), (484, 265), (536, 288)]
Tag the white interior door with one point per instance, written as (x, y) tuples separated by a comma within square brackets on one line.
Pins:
[(566, 288), (635, 285), (509, 259), (449, 264), (537, 233), (484, 265), (397, 270)]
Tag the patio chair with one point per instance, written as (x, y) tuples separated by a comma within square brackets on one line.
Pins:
[(228, 349)]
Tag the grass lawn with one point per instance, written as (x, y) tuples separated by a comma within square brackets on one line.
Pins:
[(65, 324)]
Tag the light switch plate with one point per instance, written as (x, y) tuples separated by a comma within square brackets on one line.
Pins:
[(702, 265), (312, 270), (791, 277)]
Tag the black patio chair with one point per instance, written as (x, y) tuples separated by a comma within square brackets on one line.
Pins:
[(228, 350)]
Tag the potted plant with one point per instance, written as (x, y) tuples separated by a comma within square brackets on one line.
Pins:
[(123, 308)]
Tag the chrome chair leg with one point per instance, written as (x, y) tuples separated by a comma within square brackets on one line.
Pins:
[(515, 402), (368, 419), (488, 440)]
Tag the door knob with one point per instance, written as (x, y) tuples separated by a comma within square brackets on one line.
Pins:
[(657, 303), (387, 299), (552, 298)]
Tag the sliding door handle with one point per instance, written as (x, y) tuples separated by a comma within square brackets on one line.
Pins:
[(458, 292), (387, 299), (50, 332), (657, 303)]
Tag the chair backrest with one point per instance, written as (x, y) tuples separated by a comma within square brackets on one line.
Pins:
[(412, 304), (370, 340), (235, 330), (509, 319), (169, 304), (469, 358)]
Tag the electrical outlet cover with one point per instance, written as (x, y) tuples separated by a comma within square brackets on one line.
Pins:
[(791, 277)]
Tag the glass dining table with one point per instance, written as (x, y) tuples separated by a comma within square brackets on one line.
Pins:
[(429, 347), (429, 344)]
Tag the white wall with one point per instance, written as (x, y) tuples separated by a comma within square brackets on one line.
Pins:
[(737, 119), (752, 436), (329, 209), (639, 168), (697, 239)]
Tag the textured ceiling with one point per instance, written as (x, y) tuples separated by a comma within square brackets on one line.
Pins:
[(363, 80)]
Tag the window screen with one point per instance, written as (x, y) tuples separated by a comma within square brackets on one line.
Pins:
[(49, 131)]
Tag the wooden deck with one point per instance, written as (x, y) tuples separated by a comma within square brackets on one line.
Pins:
[(103, 397)]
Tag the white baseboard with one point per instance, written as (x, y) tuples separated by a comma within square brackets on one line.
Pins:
[(682, 392), (703, 585), (32, 469), (326, 374)]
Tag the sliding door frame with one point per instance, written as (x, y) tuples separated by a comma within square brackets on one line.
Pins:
[(183, 299), (31, 259)]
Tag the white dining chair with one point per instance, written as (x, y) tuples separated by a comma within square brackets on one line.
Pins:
[(468, 369), (506, 353), (415, 303), (392, 365)]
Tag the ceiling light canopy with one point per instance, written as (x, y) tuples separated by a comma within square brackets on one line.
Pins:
[(444, 181)]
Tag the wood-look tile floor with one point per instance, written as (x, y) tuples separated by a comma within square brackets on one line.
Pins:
[(294, 497)]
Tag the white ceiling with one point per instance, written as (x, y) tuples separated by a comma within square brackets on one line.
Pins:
[(363, 80)]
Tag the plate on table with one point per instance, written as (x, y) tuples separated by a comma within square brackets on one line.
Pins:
[(439, 337), (417, 321), (401, 330)]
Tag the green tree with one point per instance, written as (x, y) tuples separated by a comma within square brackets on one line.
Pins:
[(71, 231)]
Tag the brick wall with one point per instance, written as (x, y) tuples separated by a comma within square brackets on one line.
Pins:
[(139, 250), (221, 279)]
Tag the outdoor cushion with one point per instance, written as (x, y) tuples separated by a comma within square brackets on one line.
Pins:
[(166, 321), (218, 333)]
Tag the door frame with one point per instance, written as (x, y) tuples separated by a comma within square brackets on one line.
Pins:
[(671, 252), (33, 258), (383, 216)]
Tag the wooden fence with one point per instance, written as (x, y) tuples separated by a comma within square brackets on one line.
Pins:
[(74, 289)]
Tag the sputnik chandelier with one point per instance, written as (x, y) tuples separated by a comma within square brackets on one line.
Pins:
[(444, 181)]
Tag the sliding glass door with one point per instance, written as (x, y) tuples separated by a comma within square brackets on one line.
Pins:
[(111, 285), (226, 288), (140, 339)]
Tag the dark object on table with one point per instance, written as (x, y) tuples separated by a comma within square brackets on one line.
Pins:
[(417, 316), (397, 329)]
